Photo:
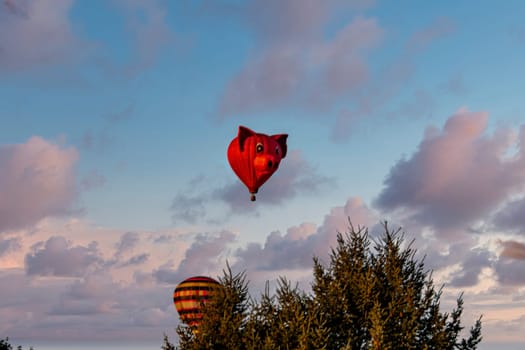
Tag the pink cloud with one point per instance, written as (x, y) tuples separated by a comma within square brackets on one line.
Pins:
[(457, 175), (297, 63), (270, 79), (40, 33), (371, 97), (294, 20), (284, 21), (37, 180), (127, 242), (510, 217), (513, 250), (204, 256), (509, 272), (95, 302), (9, 245), (58, 258), (17, 8), (296, 248), (342, 60), (36, 33)]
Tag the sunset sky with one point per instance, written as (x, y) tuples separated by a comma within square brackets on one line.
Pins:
[(115, 117)]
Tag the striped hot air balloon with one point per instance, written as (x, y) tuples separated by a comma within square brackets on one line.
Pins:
[(188, 296)]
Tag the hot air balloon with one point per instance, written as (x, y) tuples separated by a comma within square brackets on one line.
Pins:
[(254, 157), (188, 296)]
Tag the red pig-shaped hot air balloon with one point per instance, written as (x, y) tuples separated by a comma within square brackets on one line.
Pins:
[(254, 157)]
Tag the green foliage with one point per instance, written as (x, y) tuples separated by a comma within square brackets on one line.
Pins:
[(166, 345), (224, 317), (5, 345), (287, 320), (369, 296)]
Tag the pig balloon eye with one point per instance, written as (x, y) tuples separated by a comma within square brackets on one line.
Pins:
[(277, 150), (259, 148)]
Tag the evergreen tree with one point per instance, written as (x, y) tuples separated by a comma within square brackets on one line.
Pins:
[(166, 345), (287, 320), (223, 319), (5, 345), (369, 296)]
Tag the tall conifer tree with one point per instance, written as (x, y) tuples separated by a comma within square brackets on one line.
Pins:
[(371, 295)]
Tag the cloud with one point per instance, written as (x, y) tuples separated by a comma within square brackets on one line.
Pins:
[(269, 80), (272, 21), (373, 97), (38, 180), (202, 257), (455, 86), (441, 27), (472, 264), (342, 60), (205, 251), (121, 116), (278, 252), (509, 272), (96, 307), (95, 296), (101, 140), (188, 208), (371, 100), (96, 302), (58, 258), (145, 22), (9, 245), (41, 34), (37, 33), (457, 175), (16, 8), (294, 20), (124, 247), (92, 180), (91, 295), (294, 177), (300, 244), (96, 141), (126, 243), (345, 123), (23, 302), (513, 250), (297, 65), (420, 105), (300, 65), (511, 217), (135, 260)]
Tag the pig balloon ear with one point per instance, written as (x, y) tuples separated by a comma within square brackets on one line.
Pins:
[(281, 140), (243, 134)]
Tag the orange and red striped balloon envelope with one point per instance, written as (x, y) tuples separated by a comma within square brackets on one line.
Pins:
[(188, 296)]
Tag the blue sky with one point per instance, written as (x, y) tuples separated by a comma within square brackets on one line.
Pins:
[(116, 116)]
